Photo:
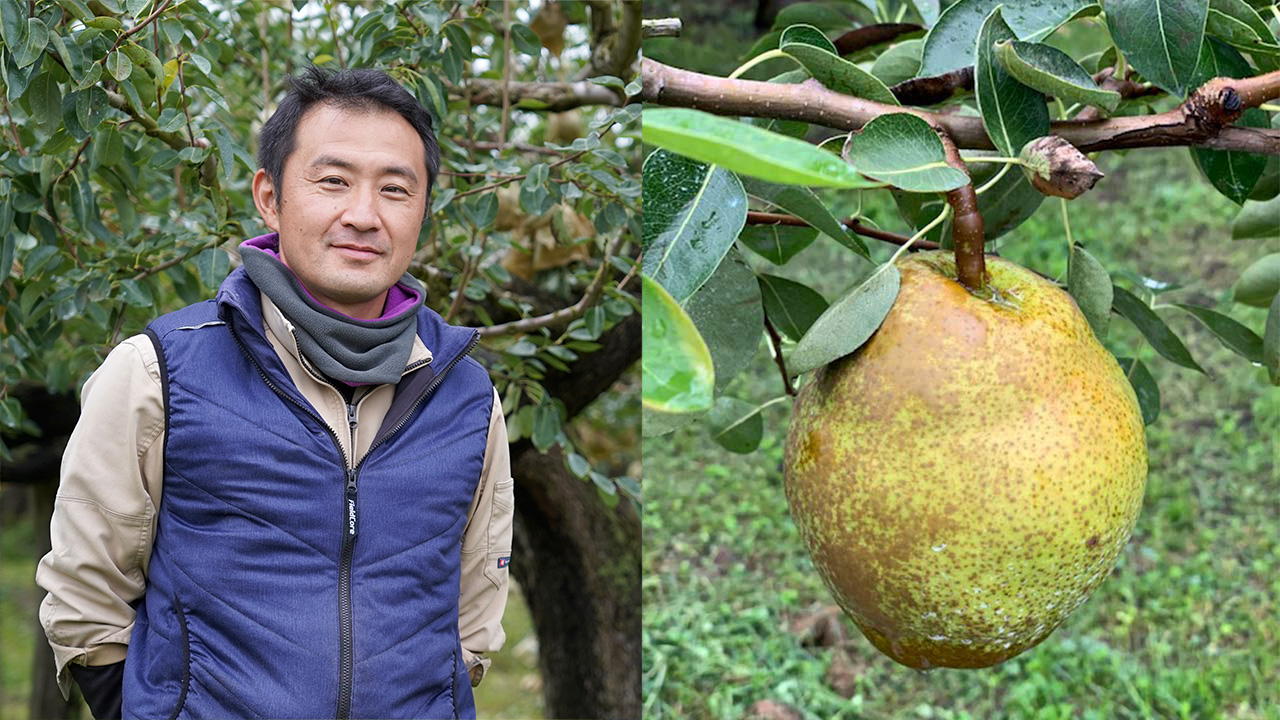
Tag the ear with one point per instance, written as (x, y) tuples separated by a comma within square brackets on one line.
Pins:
[(265, 197)]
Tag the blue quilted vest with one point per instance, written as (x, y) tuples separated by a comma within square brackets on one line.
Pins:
[(280, 583)]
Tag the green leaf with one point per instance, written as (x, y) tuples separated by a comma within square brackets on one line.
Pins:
[(1153, 328), (482, 209), (525, 39), (1090, 286), (91, 107), (777, 243), (46, 100), (676, 371), (928, 10), (747, 149), (579, 466), (1160, 38), (119, 65), (135, 292), (104, 23), (805, 204), (1144, 386), (1233, 173), (805, 34), (693, 213), (213, 265), (1271, 342), (728, 314), (1260, 282), (898, 63), (1238, 338), (1053, 72), (791, 307), (34, 42), (1257, 219), (8, 248), (1012, 113), (848, 323), (902, 150), (546, 427), (736, 425), (144, 58), (108, 147), (1005, 205), (811, 13), (834, 72), (951, 42)]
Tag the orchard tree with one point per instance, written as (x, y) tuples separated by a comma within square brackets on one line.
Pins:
[(125, 168), (967, 115)]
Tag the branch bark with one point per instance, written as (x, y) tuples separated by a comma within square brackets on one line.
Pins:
[(968, 235), (552, 97), (810, 102)]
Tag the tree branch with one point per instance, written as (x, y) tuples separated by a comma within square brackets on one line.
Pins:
[(664, 27), (865, 37), (551, 97), (810, 102), (764, 218)]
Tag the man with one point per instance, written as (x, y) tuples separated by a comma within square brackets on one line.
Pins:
[(294, 500)]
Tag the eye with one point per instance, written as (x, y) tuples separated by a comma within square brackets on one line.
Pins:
[(332, 180), (396, 189)]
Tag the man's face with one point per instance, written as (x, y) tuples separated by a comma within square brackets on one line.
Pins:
[(351, 201)]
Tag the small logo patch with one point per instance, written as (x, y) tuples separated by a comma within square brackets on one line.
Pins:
[(504, 561)]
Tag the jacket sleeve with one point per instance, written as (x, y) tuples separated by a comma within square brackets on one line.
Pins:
[(486, 552), (104, 515)]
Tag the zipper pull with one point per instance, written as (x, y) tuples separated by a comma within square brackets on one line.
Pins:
[(351, 504), (351, 416)]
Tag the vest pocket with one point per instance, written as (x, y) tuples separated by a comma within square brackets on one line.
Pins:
[(186, 657)]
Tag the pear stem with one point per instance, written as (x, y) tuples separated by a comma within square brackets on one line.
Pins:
[(967, 232)]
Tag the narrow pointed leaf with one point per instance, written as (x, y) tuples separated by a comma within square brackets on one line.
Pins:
[(1233, 173), (777, 243), (33, 44), (729, 316), (848, 323), (213, 265), (950, 43), (676, 371), (804, 204), (746, 149), (1271, 342), (135, 292), (834, 72), (1259, 282), (1053, 72), (1012, 113), (693, 213), (1144, 386), (1238, 338), (928, 10), (1243, 12), (1090, 286), (791, 307), (1160, 38), (736, 425), (1153, 328), (903, 151)]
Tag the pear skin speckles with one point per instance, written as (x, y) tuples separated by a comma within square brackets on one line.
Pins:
[(967, 477)]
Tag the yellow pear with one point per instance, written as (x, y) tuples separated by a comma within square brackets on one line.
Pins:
[(967, 477)]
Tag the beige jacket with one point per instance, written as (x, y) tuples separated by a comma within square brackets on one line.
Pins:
[(104, 518)]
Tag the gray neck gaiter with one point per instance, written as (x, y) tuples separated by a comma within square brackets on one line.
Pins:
[(355, 352)]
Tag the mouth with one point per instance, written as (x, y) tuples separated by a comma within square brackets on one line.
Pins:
[(357, 252)]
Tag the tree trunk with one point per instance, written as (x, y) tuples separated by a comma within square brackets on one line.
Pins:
[(578, 561)]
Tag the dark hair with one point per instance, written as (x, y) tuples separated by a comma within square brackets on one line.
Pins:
[(356, 89)]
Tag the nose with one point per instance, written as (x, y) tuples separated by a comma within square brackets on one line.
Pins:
[(361, 212)]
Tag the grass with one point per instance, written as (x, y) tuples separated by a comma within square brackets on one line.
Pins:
[(1185, 627), (511, 689)]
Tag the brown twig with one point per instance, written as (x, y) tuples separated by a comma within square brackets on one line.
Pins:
[(810, 102), (776, 340), (764, 218), (467, 274), (967, 233), (566, 314), (500, 183), (14, 127), (865, 37), (485, 145), (136, 28)]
